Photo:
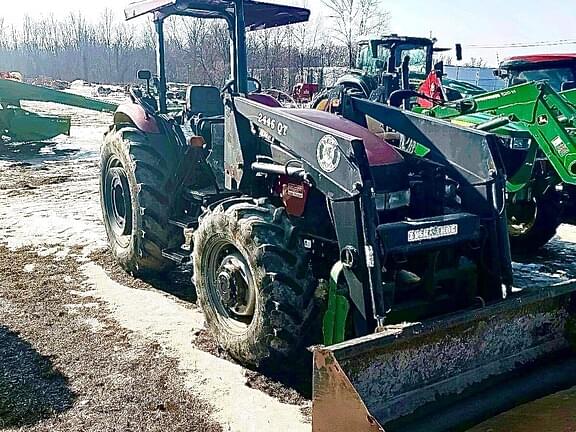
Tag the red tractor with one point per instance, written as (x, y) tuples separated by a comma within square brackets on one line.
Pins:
[(303, 93), (559, 70)]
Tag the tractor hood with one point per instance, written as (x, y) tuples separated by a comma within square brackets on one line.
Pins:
[(465, 89), (537, 60), (514, 130), (258, 15), (379, 152)]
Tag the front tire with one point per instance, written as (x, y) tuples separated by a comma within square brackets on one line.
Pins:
[(254, 283), (138, 190), (533, 224)]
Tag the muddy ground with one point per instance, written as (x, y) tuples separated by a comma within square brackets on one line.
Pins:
[(83, 346)]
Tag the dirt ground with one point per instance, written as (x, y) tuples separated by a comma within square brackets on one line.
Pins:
[(66, 365), (84, 346)]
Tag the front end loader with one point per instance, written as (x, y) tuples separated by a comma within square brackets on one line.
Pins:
[(535, 126), (452, 373), (305, 227)]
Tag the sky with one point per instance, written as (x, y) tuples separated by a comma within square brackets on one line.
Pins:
[(483, 23)]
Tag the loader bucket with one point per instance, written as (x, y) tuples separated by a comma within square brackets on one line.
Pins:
[(450, 373)]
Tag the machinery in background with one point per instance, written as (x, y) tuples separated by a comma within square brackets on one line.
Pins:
[(20, 125)]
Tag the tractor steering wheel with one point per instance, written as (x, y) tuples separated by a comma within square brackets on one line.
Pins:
[(228, 86), (257, 83)]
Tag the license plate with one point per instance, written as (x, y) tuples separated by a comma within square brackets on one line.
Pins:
[(433, 232)]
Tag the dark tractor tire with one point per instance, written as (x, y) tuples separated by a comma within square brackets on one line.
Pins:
[(255, 285), (532, 225), (138, 189)]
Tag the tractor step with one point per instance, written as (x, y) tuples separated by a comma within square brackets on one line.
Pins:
[(184, 222), (199, 195), (207, 196), (178, 255)]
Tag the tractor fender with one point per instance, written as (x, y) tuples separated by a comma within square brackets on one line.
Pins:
[(134, 114)]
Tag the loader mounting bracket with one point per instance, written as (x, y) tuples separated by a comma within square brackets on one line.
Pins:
[(334, 323)]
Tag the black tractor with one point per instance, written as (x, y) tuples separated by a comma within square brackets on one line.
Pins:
[(298, 220)]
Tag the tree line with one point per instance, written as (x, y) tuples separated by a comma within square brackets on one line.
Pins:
[(111, 50)]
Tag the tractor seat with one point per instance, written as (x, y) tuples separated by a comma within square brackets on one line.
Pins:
[(204, 108)]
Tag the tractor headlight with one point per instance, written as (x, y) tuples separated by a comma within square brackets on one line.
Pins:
[(392, 200), (520, 143)]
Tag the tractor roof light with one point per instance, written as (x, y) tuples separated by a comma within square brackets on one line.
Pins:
[(196, 141)]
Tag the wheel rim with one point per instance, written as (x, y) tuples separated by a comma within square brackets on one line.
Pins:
[(522, 217), (230, 286), (117, 200)]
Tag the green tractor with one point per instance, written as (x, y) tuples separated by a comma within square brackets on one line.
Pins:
[(538, 145), (378, 71), (538, 141), (305, 227)]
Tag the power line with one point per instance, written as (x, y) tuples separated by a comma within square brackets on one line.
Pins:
[(526, 45)]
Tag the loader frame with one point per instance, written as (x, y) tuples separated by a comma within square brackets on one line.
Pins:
[(20, 125), (548, 117)]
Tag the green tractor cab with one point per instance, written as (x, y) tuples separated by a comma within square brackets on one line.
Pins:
[(378, 71)]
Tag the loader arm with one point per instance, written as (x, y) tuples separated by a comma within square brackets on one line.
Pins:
[(478, 169), (570, 96), (349, 189), (547, 115)]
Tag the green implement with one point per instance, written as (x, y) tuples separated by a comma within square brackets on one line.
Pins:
[(537, 107), (570, 96), (537, 130), (18, 124)]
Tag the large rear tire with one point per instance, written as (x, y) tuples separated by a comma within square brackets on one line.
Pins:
[(254, 283), (138, 192), (533, 224)]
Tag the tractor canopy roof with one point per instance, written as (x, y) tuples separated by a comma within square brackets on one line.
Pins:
[(389, 40), (258, 15), (537, 60)]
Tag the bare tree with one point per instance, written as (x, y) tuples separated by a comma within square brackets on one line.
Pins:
[(306, 37), (351, 19), (111, 50), (446, 59)]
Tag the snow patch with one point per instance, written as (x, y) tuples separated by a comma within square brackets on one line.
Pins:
[(156, 316)]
